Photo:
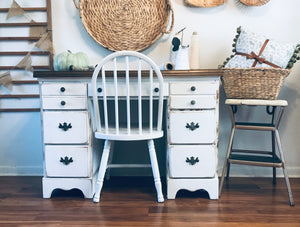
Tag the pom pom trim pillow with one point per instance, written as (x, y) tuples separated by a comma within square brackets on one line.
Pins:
[(254, 50)]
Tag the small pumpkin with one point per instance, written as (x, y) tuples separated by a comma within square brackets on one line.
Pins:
[(66, 60)]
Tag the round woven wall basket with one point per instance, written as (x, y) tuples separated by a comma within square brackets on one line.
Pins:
[(254, 2), (204, 3), (126, 24)]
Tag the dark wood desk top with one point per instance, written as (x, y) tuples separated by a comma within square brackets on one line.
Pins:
[(166, 73)]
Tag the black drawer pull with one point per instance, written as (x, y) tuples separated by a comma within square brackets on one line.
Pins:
[(62, 103), (156, 89), (192, 126), (193, 102), (66, 160), (62, 89), (99, 89), (192, 161), (65, 126), (193, 88)]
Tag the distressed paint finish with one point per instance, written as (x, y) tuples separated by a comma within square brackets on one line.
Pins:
[(193, 122), (66, 137), (180, 100)]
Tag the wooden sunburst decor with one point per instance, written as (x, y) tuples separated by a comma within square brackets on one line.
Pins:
[(254, 2), (204, 3)]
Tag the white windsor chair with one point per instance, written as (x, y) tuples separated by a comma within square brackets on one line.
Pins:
[(115, 131)]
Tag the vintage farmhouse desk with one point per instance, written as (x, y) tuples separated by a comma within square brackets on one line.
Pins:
[(192, 130)]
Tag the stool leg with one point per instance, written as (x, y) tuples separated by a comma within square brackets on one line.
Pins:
[(284, 168), (226, 159), (272, 113), (273, 153)]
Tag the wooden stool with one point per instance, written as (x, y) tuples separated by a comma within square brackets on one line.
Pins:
[(275, 108)]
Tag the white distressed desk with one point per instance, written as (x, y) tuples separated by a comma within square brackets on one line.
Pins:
[(192, 131)]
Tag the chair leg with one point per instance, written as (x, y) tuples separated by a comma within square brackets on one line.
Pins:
[(155, 170), (102, 169), (110, 157), (226, 160), (284, 168), (228, 170)]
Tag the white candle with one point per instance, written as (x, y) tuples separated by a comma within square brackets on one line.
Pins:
[(195, 51)]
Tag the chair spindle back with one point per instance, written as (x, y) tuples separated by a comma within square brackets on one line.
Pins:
[(137, 83)]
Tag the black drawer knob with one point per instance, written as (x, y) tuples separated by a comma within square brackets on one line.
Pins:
[(62, 103), (99, 89), (193, 102), (62, 89), (156, 89), (193, 88)]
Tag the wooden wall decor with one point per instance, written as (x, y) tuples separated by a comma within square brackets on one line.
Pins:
[(36, 29), (254, 2), (204, 3)]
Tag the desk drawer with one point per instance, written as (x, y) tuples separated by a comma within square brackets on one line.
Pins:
[(64, 89), (190, 161), (67, 161), (193, 101), (194, 88), (110, 89), (64, 103), (65, 127), (193, 127)]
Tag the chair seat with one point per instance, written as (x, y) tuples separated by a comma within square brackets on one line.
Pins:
[(133, 136), (256, 102)]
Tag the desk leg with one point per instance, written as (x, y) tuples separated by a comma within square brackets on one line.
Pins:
[(211, 186), (83, 184)]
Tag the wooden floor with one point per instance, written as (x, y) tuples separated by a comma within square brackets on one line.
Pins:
[(131, 202)]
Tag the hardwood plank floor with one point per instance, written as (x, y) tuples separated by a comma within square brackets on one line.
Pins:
[(132, 202)]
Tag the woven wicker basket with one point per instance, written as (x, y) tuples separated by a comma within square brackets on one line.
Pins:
[(204, 3), (253, 83), (126, 24)]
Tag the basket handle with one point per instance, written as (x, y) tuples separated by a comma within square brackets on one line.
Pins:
[(76, 4), (169, 7)]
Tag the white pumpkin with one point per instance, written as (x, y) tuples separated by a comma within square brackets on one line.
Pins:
[(67, 59)]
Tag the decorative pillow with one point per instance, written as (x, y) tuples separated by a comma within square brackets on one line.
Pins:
[(254, 50)]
